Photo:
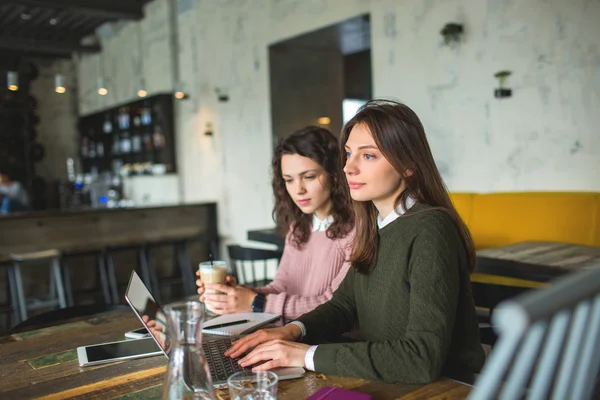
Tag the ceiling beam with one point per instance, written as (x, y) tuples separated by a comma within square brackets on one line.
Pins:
[(47, 47), (109, 9)]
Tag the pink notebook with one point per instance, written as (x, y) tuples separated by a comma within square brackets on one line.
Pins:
[(336, 393)]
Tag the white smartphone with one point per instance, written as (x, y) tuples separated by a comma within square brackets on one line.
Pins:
[(137, 334), (117, 351)]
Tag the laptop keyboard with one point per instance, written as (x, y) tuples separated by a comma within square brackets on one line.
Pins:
[(221, 367)]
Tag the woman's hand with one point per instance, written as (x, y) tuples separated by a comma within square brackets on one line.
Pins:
[(232, 299), (276, 353), (290, 332), (156, 330), (229, 281)]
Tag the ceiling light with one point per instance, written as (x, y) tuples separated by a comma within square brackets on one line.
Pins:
[(141, 88), (12, 81), (179, 93), (102, 90), (53, 21), (59, 84)]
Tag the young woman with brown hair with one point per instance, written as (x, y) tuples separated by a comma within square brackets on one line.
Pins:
[(312, 207), (409, 284)]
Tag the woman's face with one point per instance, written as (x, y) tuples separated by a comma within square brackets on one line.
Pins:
[(370, 175), (307, 184)]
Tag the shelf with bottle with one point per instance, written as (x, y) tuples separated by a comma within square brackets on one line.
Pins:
[(137, 132)]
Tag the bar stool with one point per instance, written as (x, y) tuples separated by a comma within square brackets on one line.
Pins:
[(145, 267), (57, 291), (181, 260), (107, 285)]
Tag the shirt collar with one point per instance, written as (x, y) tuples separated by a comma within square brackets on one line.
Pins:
[(381, 222), (321, 225)]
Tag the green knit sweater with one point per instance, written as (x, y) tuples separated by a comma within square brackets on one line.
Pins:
[(415, 308)]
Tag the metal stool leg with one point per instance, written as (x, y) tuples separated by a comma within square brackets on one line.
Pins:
[(144, 269), (51, 285), (102, 275), (14, 298), (62, 301), (66, 274), (112, 278), (185, 266), (153, 274), (20, 291)]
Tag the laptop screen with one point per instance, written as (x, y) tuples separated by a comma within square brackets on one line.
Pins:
[(148, 311)]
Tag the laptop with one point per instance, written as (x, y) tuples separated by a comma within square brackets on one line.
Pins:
[(143, 303)]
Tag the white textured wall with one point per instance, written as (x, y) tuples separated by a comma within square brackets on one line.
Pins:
[(545, 137)]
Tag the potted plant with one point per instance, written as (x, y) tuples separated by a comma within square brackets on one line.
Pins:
[(451, 33)]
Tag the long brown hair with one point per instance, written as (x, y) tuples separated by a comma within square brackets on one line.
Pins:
[(321, 146), (400, 137)]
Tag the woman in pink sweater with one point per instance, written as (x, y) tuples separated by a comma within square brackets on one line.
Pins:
[(311, 204)]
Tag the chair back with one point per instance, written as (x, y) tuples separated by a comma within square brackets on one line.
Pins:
[(548, 342), (241, 256)]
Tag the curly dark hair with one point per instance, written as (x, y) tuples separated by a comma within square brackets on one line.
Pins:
[(321, 146)]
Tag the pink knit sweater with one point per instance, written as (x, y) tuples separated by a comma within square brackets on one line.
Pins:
[(308, 277)]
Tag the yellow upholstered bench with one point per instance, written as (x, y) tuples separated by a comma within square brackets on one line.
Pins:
[(498, 219)]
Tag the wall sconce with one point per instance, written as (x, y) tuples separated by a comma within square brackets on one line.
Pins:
[(208, 130), (501, 91), (452, 33), (222, 95), (324, 121)]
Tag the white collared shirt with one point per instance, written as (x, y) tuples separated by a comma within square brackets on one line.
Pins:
[(321, 225), (381, 222)]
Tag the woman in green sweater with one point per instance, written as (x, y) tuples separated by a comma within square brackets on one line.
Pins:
[(409, 284)]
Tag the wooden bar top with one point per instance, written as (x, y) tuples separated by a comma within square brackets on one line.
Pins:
[(97, 229), (43, 364)]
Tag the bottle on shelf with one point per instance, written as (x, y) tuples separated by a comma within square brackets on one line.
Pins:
[(84, 147), (136, 143), (148, 141), (146, 116), (158, 138), (92, 149), (107, 126), (100, 149), (125, 143)]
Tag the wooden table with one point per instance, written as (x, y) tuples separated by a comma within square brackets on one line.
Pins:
[(536, 261), (43, 364), (270, 235)]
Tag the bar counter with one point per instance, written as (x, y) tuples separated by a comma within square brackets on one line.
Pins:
[(98, 228)]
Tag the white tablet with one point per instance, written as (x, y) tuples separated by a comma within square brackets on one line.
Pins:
[(117, 351)]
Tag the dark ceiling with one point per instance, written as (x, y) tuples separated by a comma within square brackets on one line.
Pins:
[(54, 28)]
